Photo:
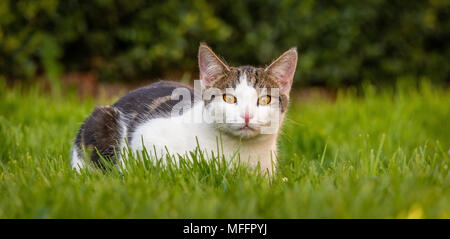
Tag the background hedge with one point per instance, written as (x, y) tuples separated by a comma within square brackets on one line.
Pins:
[(340, 42)]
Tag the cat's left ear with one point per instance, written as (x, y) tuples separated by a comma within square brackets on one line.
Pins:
[(283, 69)]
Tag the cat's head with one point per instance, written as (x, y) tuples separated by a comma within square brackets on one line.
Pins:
[(246, 101)]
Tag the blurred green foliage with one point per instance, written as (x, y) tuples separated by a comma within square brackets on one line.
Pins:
[(340, 42)]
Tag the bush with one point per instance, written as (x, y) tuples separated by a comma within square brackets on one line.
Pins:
[(340, 42)]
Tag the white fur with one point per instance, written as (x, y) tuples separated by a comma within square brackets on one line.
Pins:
[(123, 132), (76, 161)]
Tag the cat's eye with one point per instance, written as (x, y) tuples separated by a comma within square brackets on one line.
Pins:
[(229, 98), (264, 100)]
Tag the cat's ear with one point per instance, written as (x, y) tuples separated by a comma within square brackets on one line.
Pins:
[(210, 65), (283, 69)]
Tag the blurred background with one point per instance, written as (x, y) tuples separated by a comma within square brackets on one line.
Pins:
[(340, 43)]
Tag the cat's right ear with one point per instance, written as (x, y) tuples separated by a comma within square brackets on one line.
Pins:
[(283, 69), (210, 65)]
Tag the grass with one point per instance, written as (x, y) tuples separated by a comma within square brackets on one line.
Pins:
[(383, 155)]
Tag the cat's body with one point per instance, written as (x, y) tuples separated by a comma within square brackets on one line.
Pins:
[(145, 118), (109, 128)]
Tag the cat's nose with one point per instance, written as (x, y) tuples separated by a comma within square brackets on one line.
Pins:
[(247, 116)]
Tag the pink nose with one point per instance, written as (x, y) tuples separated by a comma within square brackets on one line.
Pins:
[(247, 116)]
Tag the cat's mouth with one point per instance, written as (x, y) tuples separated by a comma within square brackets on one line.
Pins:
[(242, 130), (247, 127)]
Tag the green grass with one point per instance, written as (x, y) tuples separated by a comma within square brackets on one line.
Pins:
[(384, 155)]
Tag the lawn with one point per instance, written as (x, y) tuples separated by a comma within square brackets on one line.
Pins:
[(375, 154)]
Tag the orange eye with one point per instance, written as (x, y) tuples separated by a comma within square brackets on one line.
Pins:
[(229, 99), (264, 100)]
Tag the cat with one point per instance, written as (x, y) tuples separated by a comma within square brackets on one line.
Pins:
[(243, 106)]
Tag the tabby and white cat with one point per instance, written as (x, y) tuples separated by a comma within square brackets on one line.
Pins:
[(244, 106)]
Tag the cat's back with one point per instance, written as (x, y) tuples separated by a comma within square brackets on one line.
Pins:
[(154, 99)]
